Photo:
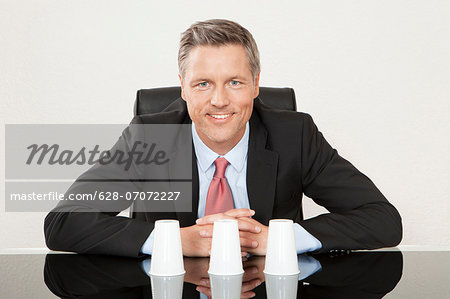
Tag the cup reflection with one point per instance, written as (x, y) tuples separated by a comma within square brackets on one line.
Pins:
[(226, 286), (281, 286), (167, 287)]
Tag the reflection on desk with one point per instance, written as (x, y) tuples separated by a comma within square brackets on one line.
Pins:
[(355, 275)]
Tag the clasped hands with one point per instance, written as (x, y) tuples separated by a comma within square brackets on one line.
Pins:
[(196, 239)]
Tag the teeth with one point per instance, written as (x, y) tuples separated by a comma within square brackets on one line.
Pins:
[(220, 116)]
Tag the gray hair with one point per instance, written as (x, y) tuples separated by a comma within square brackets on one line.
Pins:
[(218, 32)]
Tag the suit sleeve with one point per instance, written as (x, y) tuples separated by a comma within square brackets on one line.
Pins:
[(360, 216), (91, 226)]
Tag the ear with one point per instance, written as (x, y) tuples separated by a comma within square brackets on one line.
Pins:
[(256, 89), (182, 88)]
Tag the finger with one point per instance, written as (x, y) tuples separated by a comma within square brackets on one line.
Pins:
[(251, 250), (206, 249), (204, 282), (248, 235), (255, 261), (240, 213), (211, 218), (243, 225), (251, 220), (204, 290), (248, 295), (233, 213), (205, 233), (250, 270), (252, 277), (250, 285), (248, 226), (248, 243)]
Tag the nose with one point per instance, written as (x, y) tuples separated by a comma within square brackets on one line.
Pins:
[(220, 97)]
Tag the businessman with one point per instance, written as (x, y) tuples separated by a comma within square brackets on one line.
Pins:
[(251, 163)]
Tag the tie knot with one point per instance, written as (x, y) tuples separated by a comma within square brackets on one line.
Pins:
[(221, 166)]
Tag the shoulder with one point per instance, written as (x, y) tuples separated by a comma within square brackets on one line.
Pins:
[(282, 121), (175, 113)]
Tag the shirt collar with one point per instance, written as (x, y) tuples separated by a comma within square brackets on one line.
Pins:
[(236, 156)]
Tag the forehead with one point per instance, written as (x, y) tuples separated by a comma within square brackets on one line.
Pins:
[(218, 60)]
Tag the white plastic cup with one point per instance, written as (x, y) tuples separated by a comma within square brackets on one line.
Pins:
[(225, 249), (167, 256), (281, 286), (226, 286), (281, 255), (167, 287)]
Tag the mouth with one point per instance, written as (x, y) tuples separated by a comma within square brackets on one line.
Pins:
[(220, 116)]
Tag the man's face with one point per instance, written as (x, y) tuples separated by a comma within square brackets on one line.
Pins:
[(218, 88)]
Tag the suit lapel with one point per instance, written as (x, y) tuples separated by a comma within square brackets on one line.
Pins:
[(188, 218), (262, 167), (185, 218)]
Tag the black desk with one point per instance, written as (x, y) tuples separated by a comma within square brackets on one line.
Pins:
[(376, 274)]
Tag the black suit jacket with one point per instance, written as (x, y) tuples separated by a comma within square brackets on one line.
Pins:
[(287, 157)]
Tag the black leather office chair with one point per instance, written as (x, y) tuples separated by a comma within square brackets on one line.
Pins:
[(156, 99)]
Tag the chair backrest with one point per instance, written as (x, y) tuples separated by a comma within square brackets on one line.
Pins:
[(156, 99)]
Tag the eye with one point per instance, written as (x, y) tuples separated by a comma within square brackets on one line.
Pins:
[(234, 83), (203, 84)]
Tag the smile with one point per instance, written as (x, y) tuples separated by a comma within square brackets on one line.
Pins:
[(220, 116)]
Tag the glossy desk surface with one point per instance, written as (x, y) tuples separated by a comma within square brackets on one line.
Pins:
[(411, 272)]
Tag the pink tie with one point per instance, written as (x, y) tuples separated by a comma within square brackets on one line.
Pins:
[(219, 198)]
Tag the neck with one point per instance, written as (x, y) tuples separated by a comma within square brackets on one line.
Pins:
[(224, 147)]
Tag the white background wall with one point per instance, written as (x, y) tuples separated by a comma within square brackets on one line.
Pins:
[(375, 75)]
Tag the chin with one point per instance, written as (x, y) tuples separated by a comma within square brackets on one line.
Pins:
[(219, 139)]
